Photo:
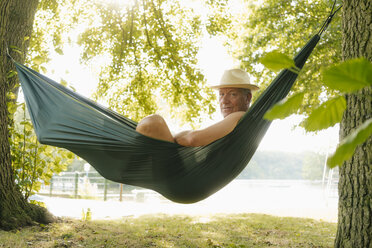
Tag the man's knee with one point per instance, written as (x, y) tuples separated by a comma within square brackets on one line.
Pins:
[(153, 120), (151, 124)]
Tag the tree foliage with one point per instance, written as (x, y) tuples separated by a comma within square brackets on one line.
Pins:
[(285, 26), (33, 164), (54, 22), (148, 51), (15, 29), (347, 77)]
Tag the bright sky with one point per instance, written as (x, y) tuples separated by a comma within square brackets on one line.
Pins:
[(213, 60)]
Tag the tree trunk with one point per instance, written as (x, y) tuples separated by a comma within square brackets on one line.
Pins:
[(355, 185), (16, 19)]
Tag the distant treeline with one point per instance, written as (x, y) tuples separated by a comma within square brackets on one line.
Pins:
[(268, 165), (284, 165)]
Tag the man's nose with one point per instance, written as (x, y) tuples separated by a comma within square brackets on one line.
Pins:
[(224, 99)]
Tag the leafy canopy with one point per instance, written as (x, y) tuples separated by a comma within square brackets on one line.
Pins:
[(145, 50), (277, 27), (347, 77), (148, 52), (33, 164)]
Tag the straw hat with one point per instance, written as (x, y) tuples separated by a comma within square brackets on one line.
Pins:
[(235, 78)]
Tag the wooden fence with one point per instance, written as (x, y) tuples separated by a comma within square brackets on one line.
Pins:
[(91, 185)]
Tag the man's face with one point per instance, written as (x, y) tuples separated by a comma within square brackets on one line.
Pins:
[(233, 100)]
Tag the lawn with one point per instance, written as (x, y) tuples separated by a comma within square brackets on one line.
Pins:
[(233, 230)]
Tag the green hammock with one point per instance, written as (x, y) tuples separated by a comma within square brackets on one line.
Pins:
[(109, 142)]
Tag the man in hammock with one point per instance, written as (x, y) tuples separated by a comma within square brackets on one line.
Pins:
[(234, 98)]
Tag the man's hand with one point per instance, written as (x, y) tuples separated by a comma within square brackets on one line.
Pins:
[(183, 138)]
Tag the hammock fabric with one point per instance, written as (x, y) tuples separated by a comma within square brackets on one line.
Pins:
[(109, 142)]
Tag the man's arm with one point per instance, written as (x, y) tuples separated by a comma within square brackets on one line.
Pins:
[(181, 134), (208, 135)]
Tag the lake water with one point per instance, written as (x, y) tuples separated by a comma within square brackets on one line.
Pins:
[(294, 198)]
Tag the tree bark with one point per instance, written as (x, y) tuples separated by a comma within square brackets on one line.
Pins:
[(16, 20), (355, 184)]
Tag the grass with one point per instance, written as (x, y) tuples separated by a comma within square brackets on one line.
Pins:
[(238, 230)]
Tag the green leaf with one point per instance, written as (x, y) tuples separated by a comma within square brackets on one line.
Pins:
[(48, 149), (57, 160), (347, 146), (11, 74), (326, 115), (349, 76), (43, 69), (16, 49), (12, 108), (64, 82), (38, 60), (276, 61), (59, 51), (286, 107), (73, 88), (28, 127), (12, 96)]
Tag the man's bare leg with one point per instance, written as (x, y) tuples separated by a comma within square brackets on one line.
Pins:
[(155, 126)]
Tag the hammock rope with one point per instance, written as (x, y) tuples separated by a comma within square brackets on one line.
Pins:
[(109, 142), (329, 18)]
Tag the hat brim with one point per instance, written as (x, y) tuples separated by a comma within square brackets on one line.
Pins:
[(252, 87)]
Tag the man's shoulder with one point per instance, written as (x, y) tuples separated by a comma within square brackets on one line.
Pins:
[(237, 114)]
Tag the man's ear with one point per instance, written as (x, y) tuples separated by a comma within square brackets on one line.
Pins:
[(249, 98)]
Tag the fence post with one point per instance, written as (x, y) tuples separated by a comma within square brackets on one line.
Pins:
[(105, 191), (121, 193), (51, 187), (76, 184)]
